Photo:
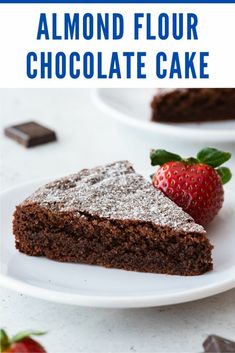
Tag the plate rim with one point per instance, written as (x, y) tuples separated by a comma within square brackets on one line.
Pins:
[(219, 136), (123, 302), (104, 301)]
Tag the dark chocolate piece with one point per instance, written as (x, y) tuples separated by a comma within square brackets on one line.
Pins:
[(216, 344), (111, 216), (30, 134)]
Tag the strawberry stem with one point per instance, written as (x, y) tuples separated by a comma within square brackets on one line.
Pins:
[(159, 157), (225, 174), (21, 335), (4, 341), (213, 157), (190, 160)]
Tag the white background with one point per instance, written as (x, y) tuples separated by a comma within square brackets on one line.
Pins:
[(88, 137), (216, 28)]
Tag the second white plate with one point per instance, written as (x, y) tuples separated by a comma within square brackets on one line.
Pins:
[(96, 286), (131, 106)]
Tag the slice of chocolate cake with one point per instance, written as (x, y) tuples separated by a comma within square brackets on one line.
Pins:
[(111, 216), (193, 105)]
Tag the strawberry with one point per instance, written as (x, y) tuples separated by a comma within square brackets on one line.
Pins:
[(20, 343), (195, 184)]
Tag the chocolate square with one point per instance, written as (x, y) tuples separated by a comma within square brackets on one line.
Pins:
[(216, 344), (30, 134)]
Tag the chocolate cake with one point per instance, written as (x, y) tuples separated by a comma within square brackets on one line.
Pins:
[(193, 105), (111, 216)]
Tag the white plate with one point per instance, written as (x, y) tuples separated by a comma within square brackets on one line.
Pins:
[(132, 107), (96, 286)]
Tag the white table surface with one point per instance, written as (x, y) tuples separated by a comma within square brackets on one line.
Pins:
[(87, 137)]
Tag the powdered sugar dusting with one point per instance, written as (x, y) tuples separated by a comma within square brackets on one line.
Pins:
[(114, 191)]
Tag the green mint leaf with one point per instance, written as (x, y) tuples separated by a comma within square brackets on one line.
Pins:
[(4, 341), (225, 174), (159, 157), (21, 335), (213, 157)]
